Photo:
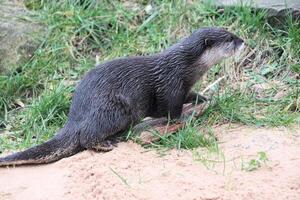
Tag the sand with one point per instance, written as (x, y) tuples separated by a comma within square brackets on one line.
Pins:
[(133, 172)]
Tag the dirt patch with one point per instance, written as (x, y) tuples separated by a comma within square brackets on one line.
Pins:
[(132, 172)]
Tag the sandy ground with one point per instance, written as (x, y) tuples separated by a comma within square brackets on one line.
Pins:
[(132, 172)]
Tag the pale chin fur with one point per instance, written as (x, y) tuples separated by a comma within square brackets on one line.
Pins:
[(239, 49), (239, 52), (215, 55)]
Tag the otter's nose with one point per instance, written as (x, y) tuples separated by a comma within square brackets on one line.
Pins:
[(238, 42)]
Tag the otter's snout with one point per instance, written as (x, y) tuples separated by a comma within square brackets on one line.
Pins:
[(238, 42)]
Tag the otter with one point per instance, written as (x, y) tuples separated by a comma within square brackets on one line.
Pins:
[(117, 94)]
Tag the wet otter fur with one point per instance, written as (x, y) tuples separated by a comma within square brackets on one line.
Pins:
[(119, 93)]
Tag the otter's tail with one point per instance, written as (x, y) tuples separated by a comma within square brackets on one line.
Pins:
[(61, 146)]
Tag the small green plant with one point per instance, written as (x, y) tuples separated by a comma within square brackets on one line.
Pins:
[(257, 163)]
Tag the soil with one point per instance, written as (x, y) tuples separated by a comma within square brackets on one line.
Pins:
[(133, 172)]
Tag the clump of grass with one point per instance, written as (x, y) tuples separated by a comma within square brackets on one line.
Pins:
[(78, 30), (39, 121), (239, 107), (189, 137), (256, 163)]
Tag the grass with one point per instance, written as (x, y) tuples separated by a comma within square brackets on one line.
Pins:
[(35, 97), (192, 136), (255, 164)]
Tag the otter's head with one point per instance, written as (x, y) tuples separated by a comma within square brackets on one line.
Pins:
[(215, 44)]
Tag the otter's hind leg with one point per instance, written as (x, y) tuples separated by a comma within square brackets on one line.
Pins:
[(106, 145), (98, 131)]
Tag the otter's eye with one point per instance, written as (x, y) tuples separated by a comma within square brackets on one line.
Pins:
[(229, 39), (208, 42)]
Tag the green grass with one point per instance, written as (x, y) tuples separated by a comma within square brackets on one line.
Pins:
[(257, 163), (77, 32), (190, 137)]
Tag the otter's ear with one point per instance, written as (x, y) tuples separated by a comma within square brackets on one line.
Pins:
[(208, 42)]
